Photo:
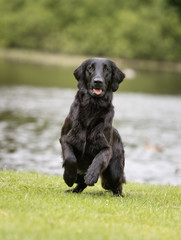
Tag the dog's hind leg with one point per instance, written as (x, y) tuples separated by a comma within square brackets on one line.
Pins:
[(80, 184), (69, 162), (113, 176), (79, 188), (112, 180)]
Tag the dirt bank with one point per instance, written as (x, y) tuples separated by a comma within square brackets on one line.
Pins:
[(68, 60)]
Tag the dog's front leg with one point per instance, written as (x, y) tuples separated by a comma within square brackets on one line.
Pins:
[(100, 162), (69, 162)]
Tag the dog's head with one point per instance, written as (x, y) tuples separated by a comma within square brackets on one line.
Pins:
[(98, 75)]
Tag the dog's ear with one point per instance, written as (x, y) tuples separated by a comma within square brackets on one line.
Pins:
[(78, 73), (117, 77)]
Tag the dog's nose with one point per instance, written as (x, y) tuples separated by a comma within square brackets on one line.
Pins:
[(98, 80)]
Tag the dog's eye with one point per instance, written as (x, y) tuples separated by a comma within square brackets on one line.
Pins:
[(106, 69), (91, 68)]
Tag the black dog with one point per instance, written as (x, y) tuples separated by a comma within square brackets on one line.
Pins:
[(91, 146)]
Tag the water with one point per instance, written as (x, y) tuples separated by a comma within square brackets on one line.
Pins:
[(150, 126), (13, 74)]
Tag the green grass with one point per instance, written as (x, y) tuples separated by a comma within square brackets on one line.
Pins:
[(36, 206)]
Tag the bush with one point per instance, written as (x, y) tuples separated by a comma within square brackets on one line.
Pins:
[(127, 29)]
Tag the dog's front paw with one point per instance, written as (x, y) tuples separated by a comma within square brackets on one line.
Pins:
[(70, 175), (91, 178)]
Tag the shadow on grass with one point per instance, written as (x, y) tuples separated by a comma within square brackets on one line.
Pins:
[(93, 193)]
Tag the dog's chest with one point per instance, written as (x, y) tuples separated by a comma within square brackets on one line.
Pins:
[(90, 117)]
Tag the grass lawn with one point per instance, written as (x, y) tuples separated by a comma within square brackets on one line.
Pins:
[(36, 206)]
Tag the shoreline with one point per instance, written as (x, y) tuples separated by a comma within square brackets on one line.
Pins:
[(53, 59)]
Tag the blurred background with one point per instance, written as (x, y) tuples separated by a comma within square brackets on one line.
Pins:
[(43, 41)]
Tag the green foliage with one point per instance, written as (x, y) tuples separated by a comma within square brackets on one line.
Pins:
[(35, 206), (117, 28), (176, 4)]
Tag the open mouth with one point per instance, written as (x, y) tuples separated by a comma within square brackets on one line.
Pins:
[(97, 91)]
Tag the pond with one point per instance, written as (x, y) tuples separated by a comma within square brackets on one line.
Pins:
[(31, 118)]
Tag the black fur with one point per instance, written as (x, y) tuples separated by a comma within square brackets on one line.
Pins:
[(91, 147)]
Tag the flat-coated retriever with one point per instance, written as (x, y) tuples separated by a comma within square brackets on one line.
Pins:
[(91, 147)]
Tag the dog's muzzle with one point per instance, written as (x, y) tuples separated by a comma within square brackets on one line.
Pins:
[(97, 86)]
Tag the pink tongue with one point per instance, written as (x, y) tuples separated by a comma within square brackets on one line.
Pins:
[(97, 91)]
